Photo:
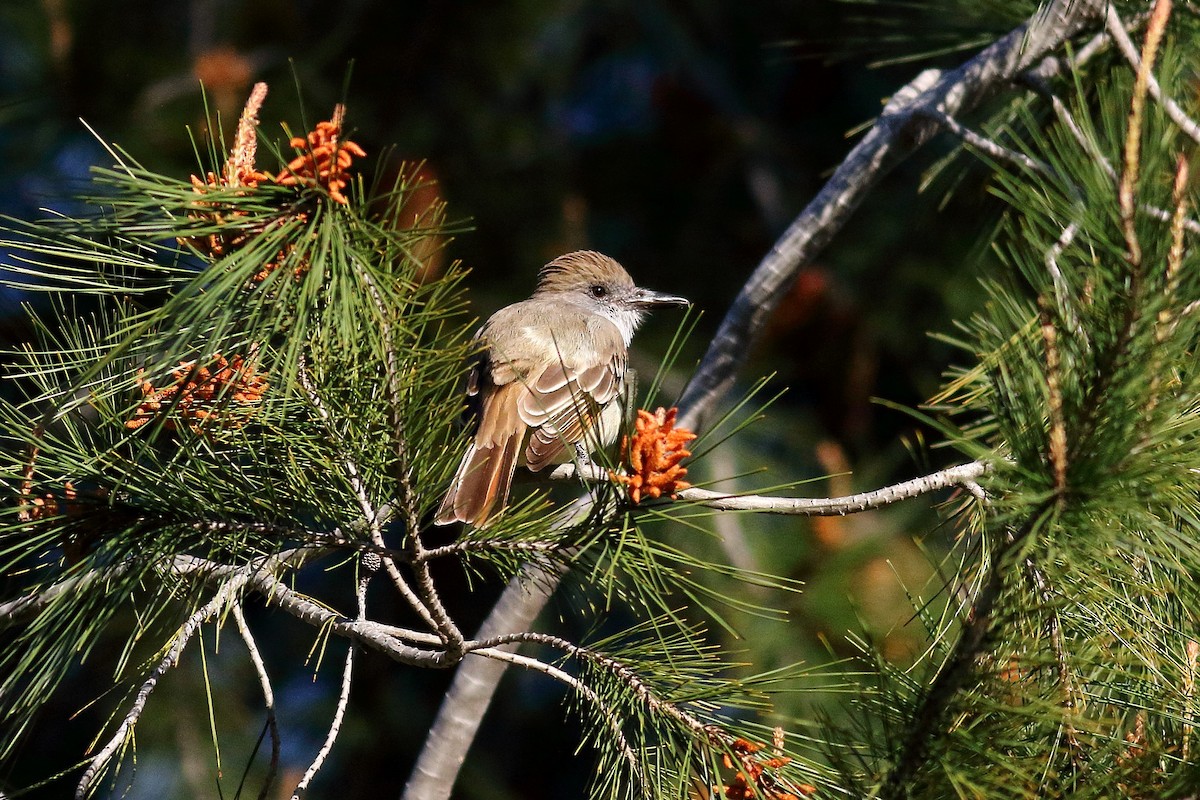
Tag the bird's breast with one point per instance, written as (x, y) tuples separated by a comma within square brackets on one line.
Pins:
[(535, 333)]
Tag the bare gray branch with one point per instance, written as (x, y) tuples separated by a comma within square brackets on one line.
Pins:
[(904, 127)]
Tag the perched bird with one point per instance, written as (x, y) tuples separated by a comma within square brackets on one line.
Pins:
[(547, 387)]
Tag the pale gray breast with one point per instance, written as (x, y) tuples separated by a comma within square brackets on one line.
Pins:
[(534, 333)]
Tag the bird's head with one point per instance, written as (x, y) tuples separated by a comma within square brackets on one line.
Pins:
[(600, 284)]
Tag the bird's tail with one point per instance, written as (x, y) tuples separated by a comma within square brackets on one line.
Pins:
[(481, 483)]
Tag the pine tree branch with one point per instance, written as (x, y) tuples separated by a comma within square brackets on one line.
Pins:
[(260, 578), (445, 625), (1188, 224), (904, 127), (224, 595), (1063, 298), (640, 688), (495, 648), (343, 701), (704, 736), (1116, 28), (379, 637), (1088, 144), (983, 144), (25, 608), (373, 518), (927, 719), (569, 680), (961, 475), (486, 545), (264, 681)]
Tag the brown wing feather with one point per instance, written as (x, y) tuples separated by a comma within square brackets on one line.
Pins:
[(485, 475), (483, 481), (560, 407)]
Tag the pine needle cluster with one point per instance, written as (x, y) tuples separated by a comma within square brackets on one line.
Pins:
[(1063, 646), (226, 368)]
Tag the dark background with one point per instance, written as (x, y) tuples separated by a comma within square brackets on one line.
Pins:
[(680, 137)]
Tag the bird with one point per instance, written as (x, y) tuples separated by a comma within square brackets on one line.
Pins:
[(548, 382)]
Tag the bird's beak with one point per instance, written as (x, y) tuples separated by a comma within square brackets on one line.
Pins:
[(645, 298)]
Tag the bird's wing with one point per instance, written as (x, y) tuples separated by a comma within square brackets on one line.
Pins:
[(485, 474), (562, 405)]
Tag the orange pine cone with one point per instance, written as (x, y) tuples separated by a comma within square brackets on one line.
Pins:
[(196, 388), (653, 456)]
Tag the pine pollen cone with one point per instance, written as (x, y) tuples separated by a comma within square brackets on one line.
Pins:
[(36, 505), (324, 159), (749, 781), (202, 393), (653, 455)]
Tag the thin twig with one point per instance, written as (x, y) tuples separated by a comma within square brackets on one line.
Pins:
[(334, 728), (227, 591), (1189, 224), (987, 146), (585, 691), (1116, 29), (1052, 66), (640, 688), (1067, 119), (260, 578), (1062, 292), (23, 609), (371, 516), (442, 620), (958, 475), (27, 607), (264, 681), (343, 701), (490, 545)]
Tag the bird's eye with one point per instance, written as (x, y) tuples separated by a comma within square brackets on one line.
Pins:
[(598, 291)]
